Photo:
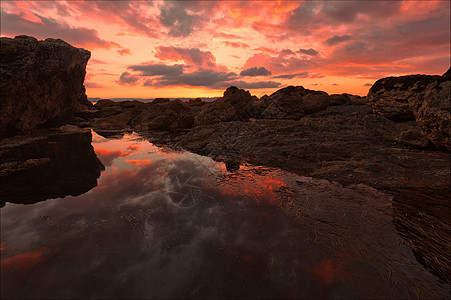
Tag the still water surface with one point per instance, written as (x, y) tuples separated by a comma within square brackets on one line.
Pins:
[(166, 224)]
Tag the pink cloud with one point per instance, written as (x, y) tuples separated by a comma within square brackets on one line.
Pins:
[(236, 44), (139, 162), (191, 56), (15, 24), (123, 52)]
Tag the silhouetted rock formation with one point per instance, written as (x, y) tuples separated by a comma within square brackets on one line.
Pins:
[(196, 101), (50, 165), (423, 98), (293, 103), (41, 83), (234, 105)]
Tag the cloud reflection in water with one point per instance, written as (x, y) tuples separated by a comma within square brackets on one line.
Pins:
[(173, 225)]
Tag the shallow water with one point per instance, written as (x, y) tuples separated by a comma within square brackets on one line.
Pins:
[(166, 224)]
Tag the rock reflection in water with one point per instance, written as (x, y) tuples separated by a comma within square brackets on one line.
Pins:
[(163, 224), (49, 165)]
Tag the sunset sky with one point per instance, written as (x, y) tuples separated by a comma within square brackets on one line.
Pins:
[(149, 49)]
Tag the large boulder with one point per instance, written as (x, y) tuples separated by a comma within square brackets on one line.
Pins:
[(176, 115), (389, 97), (233, 106), (171, 115), (424, 98), (41, 83), (432, 110), (293, 103)]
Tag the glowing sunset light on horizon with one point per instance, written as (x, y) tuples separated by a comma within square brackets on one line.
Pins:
[(149, 49)]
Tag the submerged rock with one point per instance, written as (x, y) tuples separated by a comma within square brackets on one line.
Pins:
[(41, 83)]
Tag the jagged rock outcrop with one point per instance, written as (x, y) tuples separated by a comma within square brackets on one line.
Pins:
[(127, 115), (433, 111), (346, 99), (41, 83), (175, 115), (389, 97), (234, 105), (196, 101), (293, 103), (424, 98)]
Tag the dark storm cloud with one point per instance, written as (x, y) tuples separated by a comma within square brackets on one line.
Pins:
[(158, 75), (127, 78), (206, 78), (191, 56), (158, 69), (291, 76), (262, 71), (252, 85), (93, 85), (337, 39), (49, 28), (311, 52), (347, 11), (175, 18)]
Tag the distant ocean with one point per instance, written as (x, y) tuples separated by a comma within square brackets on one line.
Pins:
[(205, 99)]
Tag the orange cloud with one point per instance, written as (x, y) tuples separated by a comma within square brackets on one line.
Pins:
[(191, 56), (107, 156), (139, 162)]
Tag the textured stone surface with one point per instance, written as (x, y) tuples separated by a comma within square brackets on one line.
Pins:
[(41, 83), (389, 97), (432, 111), (293, 103), (234, 105), (424, 98)]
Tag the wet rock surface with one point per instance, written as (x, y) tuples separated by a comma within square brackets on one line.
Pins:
[(51, 164), (41, 83)]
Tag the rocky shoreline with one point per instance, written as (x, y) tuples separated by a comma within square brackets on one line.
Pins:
[(396, 139)]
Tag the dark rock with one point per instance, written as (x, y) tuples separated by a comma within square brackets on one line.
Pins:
[(171, 115), (48, 165), (293, 103), (175, 115), (116, 121), (432, 110), (424, 98), (107, 111), (102, 103), (346, 99), (196, 101), (232, 166), (414, 138), (339, 143), (389, 97), (41, 83), (234, 105), (160, 100)]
